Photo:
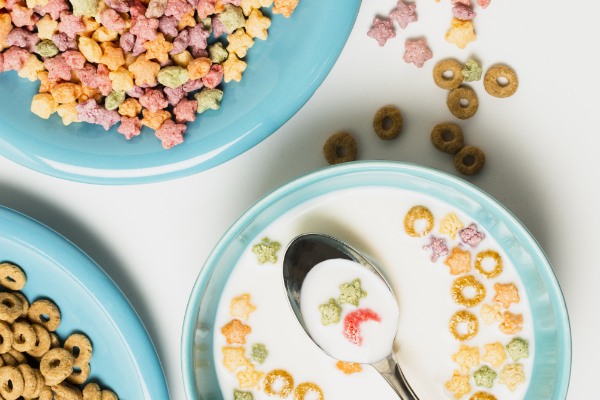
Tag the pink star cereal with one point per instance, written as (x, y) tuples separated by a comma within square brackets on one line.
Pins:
[(352, 323), (177, 8), (63, 42), (70, 24), (171, 134), (22, 38), (153, 100), (54, 8), (382, 31), (112, 20), (185, 111), (57, 69), (21, 16), (417, 52), (463, 12), (484, 3), (404, 14), (103, 81), (130, 127), (438, 248), (15, 58), (145, 28), (174, 95), (471, 236), (74, 59), (214, 76)]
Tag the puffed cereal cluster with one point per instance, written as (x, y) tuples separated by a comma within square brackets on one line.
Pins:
[(106, 61)]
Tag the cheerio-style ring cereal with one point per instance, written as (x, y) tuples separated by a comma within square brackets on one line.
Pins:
[(414, 214), (471, 322)]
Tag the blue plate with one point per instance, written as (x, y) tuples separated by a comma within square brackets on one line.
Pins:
[(283, 72), (552, 366), (124, 359)]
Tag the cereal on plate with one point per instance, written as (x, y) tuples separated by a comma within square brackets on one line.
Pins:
[(417, 52), (438, 248), (512, 323), (404, 14), (259, 353), (331, 312), (461, 33), (485, 376), (382, 31), (233, 358), (348, 368), (249, 377), (518, 348), (235, 332), (506, 294)]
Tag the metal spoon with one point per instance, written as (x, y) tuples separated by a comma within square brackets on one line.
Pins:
[(308, 250)]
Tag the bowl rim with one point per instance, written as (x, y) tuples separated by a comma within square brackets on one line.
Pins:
[(432, 174)]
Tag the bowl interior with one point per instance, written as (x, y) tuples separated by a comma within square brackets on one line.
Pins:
[(551, 326)]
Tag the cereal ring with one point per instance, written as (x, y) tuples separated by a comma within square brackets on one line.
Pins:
[(41, 385), (79, 377), (467, 318), (483, 396), (11, 383), (25, 304), (12, 277), (305, 387), (6, 337), (447, 146), (491, 85), (92, 392), (18, 356), (24, 337), (489, 254), (478, 160), (394, 115), (46, 393), (109, 395), (275, 375), (67, 391), (448, 83), (10, 307), (416, 213), (42, 308), (56, 364), (54, 340), (340, 140), (85, 349), (9, 360), (454, 106), (460, 284), (29, 380), (42, 343)]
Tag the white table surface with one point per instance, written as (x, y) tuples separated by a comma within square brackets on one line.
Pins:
[(542, 150)]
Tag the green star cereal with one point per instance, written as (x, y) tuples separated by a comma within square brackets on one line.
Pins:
[(518, 348), (209, 98), (173, 77), (114, 99), (351, 293), (266, 250), (85, 7), (217, 53), (472, 71), (239, 395), (485, 376), (259, 353), (331, 312), (232, 18)]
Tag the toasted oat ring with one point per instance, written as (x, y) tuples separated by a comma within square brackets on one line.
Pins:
[(41, 385), (489, 254), (54, 340), (46, 393), (454, 106), (109, 395), (340, 139), (6, 337), (10, 307), (91, 391), (303, 388), (482, 396), (85, 349), (467, 281), (276, 375), (469, 319), (24, 303), (457, 76), (11, 383), (48, 308), (17, 356), (449, 147), (417, 213), (12, 277), (42, 342), (23, 336), (478, 160), (29, 380), (79, 377), (56, 365), (67, 391), (394, 115), (491, 84)]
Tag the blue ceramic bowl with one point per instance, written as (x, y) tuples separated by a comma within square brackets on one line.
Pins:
[(552, 365), (124, 359), (283, 72)]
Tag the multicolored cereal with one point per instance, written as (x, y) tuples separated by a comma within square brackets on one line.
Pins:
[(232, 69), (467, 281), (466, 357), (43, 105), (404, 14), (285, 7), (413, 215), (348, 368), (450, 225), (130, 127), (68, 113), (239, 43), (490, 314), (459, 385), (518, 348), (512, 375), (331, 312), (257, 25), (351, 293), (485, 376), (210, 98), (497, 260), (461, 33), (170, 134), (506, 294), (130, 108), (483, 396), (240, 307), (471, 236), (259, 353), (417, 52), (155, 120), (484, 3), (382, 31), (265, 250), (467, 318), (438, 248), (233, 358), (494, 354), (459, 261)]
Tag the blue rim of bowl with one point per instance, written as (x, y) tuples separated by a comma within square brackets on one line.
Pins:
[(56, 248), (526, 238)]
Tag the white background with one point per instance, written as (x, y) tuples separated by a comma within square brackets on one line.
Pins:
[(542, 150)]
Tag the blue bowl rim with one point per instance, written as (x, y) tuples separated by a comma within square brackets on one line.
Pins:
[(437, 176)]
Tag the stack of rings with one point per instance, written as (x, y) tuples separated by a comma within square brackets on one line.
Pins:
[(414, 214), (82, 361), (56, 365), (467, 281), (275, 375), (467, 318), (306, 387), (489, 254)]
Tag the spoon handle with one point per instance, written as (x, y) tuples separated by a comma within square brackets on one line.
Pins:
[(391, 372)]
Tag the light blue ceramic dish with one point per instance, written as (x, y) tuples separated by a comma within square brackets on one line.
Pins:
[(550, 378), (283, 72), (124, 359)]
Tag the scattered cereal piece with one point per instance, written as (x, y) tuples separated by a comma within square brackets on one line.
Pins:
[(490, 314), (70, 24), (31, 68), (239, 43), (485, 376), (181, 42), (232, 69), (47, 27), (68, 113), (171, 134), (331, 312), (340, 140), (66, 92), (461, 33), (497, 268), (233, 358), (490, 82), (156, 8), (308, 387), (130, 127), (177, 8), (43, 105), (494, 354), (144, 70), (174, 95), (102, 79), (239, 395), (448, 83), (199, 67), (471, 236), (459, 384), (472, 71), (414, 214), (467, 281), (459, 261), (352, 323), (512, 323), (145, 28), (130, 108), (22, 38), (259, 353), (211, 98), (348, 368), (518, 348), (476, 166), (279, 376), (218, 27), (121, 79), (57, 68), (257, 25), (265, 250), (467, 318), (186, 20), (438, 248), (467, 357), (205, 8), (394, 115), (382, 31), (64, 43), (90, 93), (235, 331), (483, 396), (183, 59), (173, 77), (15, 58), (90, 111), (114, 99), (249, 378), (450, 225), (158, 48), (417, 52), (85, 7), (512, 375), (404, 14), (464, 13), (103, 34), (90, 26), (249, 5), (240, 307), (217, 53), (351, 293), (285, 7), (233, 18), (22, 16), (506, 294), (74, 59), (155, 120), (484, 3), (90, 49)]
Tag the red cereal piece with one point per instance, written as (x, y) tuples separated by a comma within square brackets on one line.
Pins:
[(175, 95), (213, 77), (181, 42), (15, 58), (464, 2), (463, 12), (205, 8), (381, 31), (75, 60), (64, 43), (185, 111), (136, 11), (178, 8), (154, 100), (112, 20), (168, 26), (54, 8), (22, 38), (193, 85), (11, 3), (58, 69), (171, 134), (130, 127), (352, 323), (1, 62), (484, 3), (471, 236), (145, 28), (404, 14), (138, 47), (70, 24), (87, 75), (417, 52), (103, 81), (21, 16)]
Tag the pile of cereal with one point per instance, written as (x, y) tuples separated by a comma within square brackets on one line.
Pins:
[(34, 365), (106, 61)]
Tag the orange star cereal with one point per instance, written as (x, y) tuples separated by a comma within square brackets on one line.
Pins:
[(506, 294), (233, 357), (68, 113), (144, 70), (121, 79), (308, 387), (494, 354), (490, 314), (285, 7), (113, 58), (348, 368), (279, 375), (235, 332), (459, 261), (66, 92), (158, 48), (241, 307), (31, 68), (467, 357), (450, 225), (249, 378), (459, 384), (414, 214), (512, 375), (155, 120), (461, 33), (512, 323), (43, 105), (199, 68)]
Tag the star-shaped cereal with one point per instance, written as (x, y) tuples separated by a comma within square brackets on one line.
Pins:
[(171, 134), (249, 5), (158, 48), (68, 113), (348, 368), (266, 251), (471, 236), (459, 261), (144, 70), (47, 27), (417, 52), (31, 68), (463, 12), (467, 357), (484, 3), (506, 294), (113, 58), (285, 7), (472, 71), (464, 2), (235, 332), (512, 323), (239, 43), (450, 225), (351, 293), (249, 378), (257, 25), (154, 120), (438, 248), (404, 14), (331, 312), (490, 314), (233, 357), (382, 31), (241, 307), (494, 354), (233, 68), (461, 33), (459, 384), (512, 375), (70, 24)]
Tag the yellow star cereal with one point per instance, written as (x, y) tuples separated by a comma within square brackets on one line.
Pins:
[(103, 34), (155, 120), (90, 26), (459, 384), (450, 225), (257, 25), (186, 20), (43, 105), (459, 261), (512, 375), (121, 79), (90, 49), (158, 48), (490, 314), (66, 92), (235, 332), (467, 357), (461, 33), (130, 108), (113, 58), (506, 294), (182, 59), (249, 378), (47, 27), (233, 68), (31, 68), (249, 5), (239, 43), (144, 70), (494, 354), (241, 307), (512, 323), (233, 357), (68, 112), (348, 368)]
